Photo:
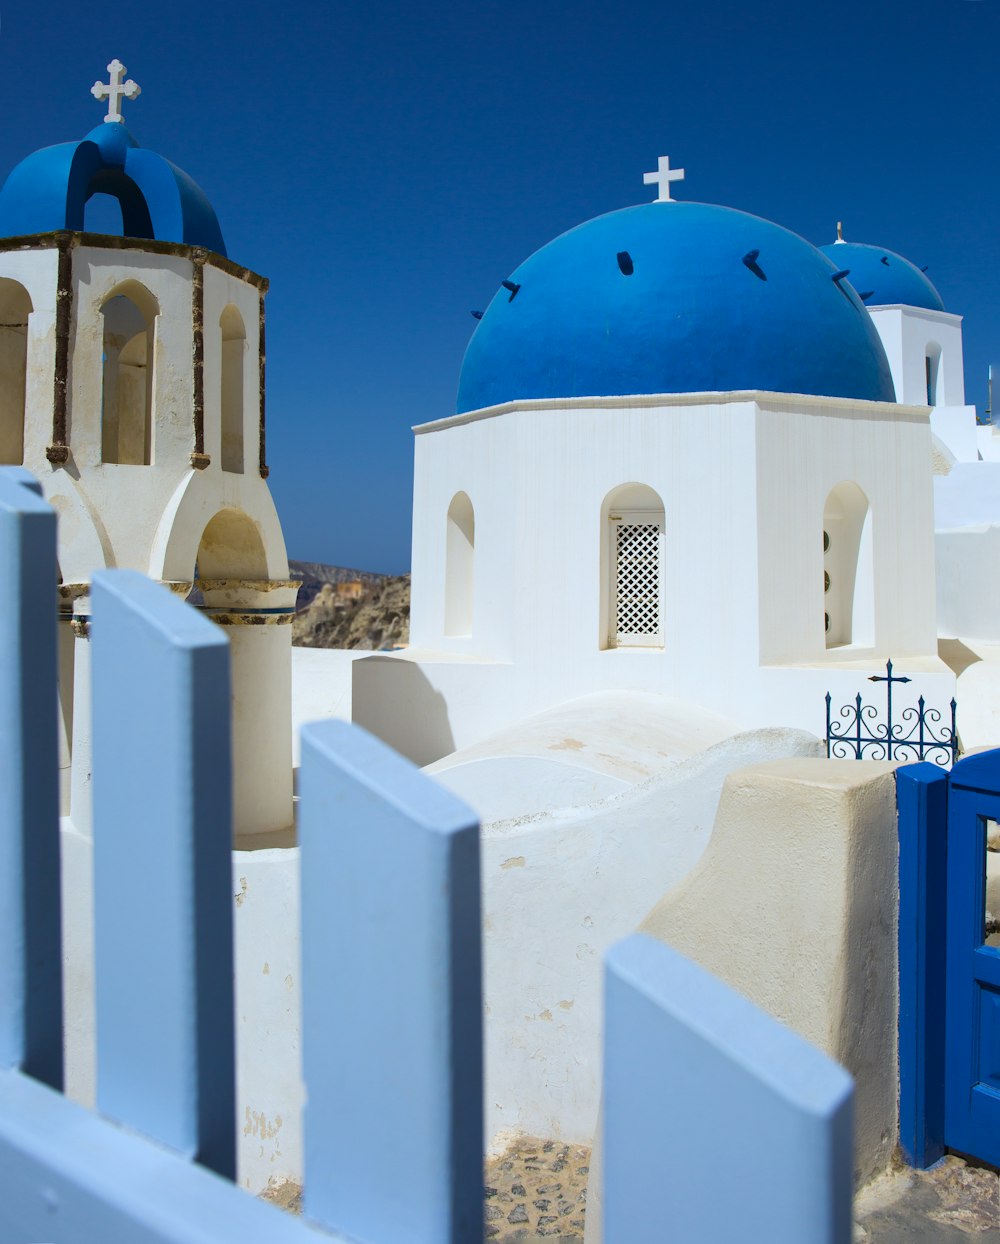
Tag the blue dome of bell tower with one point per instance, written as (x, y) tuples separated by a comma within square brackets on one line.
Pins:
[(49, 189)]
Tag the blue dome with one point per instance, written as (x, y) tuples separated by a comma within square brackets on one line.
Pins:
[(674, 298), (47, 191), (883, 278)]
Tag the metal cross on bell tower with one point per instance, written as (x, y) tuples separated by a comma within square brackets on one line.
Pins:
[(115, 90), (662, 178)]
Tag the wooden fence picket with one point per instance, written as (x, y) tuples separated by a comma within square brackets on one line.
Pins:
[(391, 995), (163, 930), (700, 1086), (30, 937)]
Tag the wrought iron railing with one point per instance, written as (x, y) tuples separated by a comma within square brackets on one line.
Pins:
[(856, 731)]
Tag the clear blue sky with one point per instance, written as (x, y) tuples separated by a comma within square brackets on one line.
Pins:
[(387, 164)]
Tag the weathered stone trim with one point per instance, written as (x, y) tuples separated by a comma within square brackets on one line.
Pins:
[(265, 470), (199, 459), (252, 585), (58, 451), (109, 241), (232, 618)]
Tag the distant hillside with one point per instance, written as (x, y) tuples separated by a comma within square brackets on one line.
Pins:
[(343, 608), (314, 574)]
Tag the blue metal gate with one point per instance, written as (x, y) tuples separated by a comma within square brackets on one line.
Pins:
[(972, 997), (949, 827)]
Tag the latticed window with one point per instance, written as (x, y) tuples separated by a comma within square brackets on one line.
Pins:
[(637, 580)]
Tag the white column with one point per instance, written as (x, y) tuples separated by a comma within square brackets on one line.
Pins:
[(80, 812), (256, 617)]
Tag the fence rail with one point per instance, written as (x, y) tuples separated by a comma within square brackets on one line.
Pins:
[(391, 989), (856, 731)]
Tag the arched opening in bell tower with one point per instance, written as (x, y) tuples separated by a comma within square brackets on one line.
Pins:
[(234, 345), (129, 316), (15, 307)]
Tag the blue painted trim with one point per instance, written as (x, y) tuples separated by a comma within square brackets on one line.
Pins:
[(30, 940), (922, 804)]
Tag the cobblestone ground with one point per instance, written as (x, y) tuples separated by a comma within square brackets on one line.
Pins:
[(537, 1189), (952, 1203)]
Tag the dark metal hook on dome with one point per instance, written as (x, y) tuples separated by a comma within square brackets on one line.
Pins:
[(625, 265), (839, 276), (476, 315), (513, 287), (866, 295), (750, 260), (885, 260)]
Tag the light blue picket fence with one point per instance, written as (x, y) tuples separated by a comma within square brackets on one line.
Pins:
[(719, 1123)]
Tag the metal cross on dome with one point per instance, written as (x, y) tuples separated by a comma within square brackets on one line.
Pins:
[(662, 178), (114, 90)]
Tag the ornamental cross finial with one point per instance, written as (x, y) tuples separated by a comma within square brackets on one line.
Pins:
[(662, 178), (114, 90)]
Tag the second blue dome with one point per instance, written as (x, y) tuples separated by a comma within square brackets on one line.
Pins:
[(674, 298), (882, 277)]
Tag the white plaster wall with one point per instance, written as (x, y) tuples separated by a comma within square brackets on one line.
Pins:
[(988, 442), (37, 272), (428, 706), (979, 696), (79, 1028), (969, 587), (967, 541), (558, 890), (483, 464), (956, 428), (743, 479), (968, 496), (796, 904), (906, 333), (578, 753), (269, 1092), (801, 457), (321, 687)]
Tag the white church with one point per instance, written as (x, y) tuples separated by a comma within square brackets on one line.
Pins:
[(700, 474)]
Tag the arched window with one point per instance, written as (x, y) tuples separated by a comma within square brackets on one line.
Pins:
[(231, 400), (127, 405), (632, 536), (15, 307), (848, 568), (932, 368), (460, 556)]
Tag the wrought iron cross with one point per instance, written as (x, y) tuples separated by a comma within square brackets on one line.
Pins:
[(662, 178), (888, 676), (115, 90)]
